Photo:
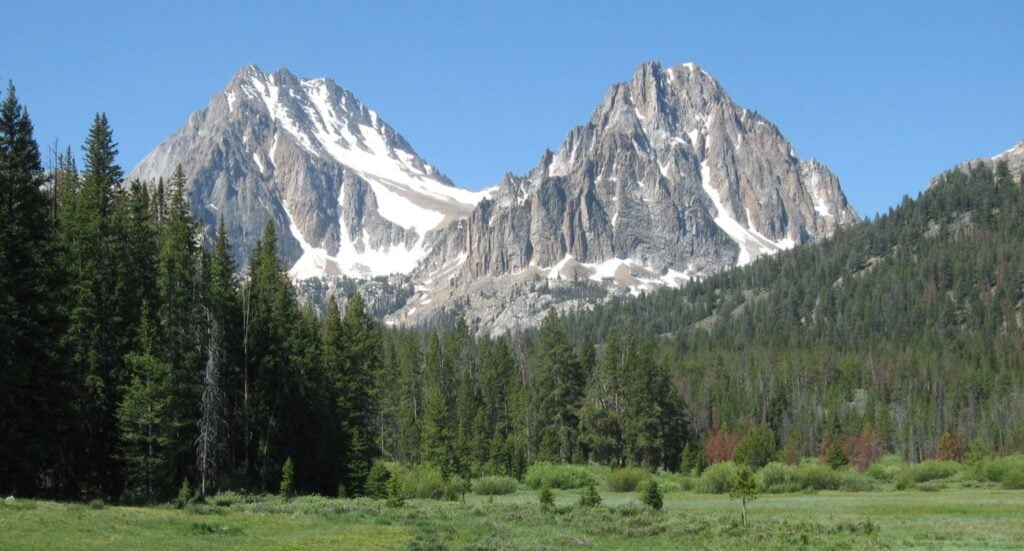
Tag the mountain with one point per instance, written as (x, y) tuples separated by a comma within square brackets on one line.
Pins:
[(668, 182), (348, 194)]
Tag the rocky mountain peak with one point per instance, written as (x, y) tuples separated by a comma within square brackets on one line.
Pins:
[(668, 181)]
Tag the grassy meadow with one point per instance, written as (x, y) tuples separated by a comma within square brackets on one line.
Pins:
[(953, 518)]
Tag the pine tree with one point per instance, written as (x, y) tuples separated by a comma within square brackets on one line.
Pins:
[(287, 486), (744, 488), (651, 495), (352, 348), (179, 284), (144, 423), (589, 497), (437, 436), (32, 392), (560, 386), (97, 338)]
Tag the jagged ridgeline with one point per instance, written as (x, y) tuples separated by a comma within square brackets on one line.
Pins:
[(669, 181), (909, 325)]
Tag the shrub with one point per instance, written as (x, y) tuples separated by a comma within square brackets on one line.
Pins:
[(495, 485), (97, 504), (590, 497), (994, 469), (546, 497), (924, 472), (394, 499), (424, 481), (626, 480), (815, 476), (853, 481), (758, 448), (456, 488), (227, 498), (932, 486), (717, 479), (558, 476), (886, 469), (674, 482), (777, 478), (650, 494), (376, 481), (1013, 480)]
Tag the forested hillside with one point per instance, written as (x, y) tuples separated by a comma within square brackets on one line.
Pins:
[(901, 329), (136, 362)]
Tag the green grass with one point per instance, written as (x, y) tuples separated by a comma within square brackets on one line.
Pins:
[(956, 518)]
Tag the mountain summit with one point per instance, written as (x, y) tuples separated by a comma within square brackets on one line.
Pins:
[(349, 195), (669, 181)]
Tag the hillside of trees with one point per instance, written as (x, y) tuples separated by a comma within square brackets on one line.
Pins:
[(135, 359)]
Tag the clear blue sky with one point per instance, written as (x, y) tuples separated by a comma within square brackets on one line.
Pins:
[(887, 94)]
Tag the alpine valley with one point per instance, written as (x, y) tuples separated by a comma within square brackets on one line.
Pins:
[(669, 181)]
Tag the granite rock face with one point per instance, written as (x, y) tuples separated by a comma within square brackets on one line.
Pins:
[(670, 180), (348, 194)]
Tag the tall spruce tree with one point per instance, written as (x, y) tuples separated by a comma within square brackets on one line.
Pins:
[(353, 361), (559, 388), (32, 383), (181, 322), (97, 338)]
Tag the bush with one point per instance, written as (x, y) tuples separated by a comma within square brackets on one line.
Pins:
[(674, 482), (394, 499), (376, 481), (777, 478), (926, 471), (932, 486), (852, 481), (994, 469), (546, 497), (455, 489), (717, 479), (558, 476), (227, 498), (495, 485), (650, 494), (590, 497), (815, 476), (886, 469), (626, 480), (423, 481), (1013, 480)]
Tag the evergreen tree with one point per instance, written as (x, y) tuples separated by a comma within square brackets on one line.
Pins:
[(560, 386), (97, 338), (32, 391), (352, 357), (179, 285), (144, 422), (651, 495), (438, 429)]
